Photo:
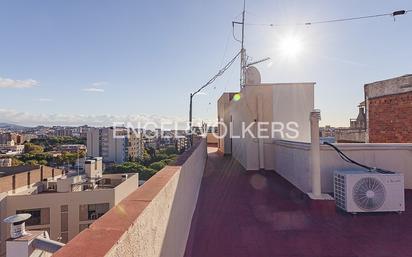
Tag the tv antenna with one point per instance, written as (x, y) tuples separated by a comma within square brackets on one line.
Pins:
[(243, 56)]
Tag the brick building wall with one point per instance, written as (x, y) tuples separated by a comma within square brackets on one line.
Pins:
[(390, 118), (21, 178)]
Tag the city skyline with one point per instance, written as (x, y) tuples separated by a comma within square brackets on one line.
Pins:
[(96, 62)]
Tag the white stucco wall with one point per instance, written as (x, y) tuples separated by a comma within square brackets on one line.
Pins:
[(292, 161), (270, 103), (394, 157), (162, 229)]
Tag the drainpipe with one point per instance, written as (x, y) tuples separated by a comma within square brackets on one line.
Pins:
[(315, 152)]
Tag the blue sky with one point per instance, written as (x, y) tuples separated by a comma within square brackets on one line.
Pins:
[(80, 61)]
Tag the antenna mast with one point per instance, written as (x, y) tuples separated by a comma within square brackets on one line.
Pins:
[(242, 50), (242, 43)]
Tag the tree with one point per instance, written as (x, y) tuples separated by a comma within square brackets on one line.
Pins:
[(157, 165), (42, 162), (146, 173), (32, 162), (32, 148), (16, 162), (170, 150)]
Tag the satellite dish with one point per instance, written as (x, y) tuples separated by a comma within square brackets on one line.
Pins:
[(18, 228), (252, 76), (17, 218)]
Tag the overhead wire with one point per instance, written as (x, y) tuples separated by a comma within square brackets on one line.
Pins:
[(220, 73), (349, 160), (392, 14)]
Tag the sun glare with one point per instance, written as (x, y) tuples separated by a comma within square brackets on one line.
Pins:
[(291, 46)]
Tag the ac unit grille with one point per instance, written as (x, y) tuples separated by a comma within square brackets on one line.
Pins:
[(369, 193), (340, 191)]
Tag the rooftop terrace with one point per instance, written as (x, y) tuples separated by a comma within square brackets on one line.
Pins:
[(215, 208), (259, 213)]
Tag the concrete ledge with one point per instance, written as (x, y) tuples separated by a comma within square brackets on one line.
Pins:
[(154, 220)]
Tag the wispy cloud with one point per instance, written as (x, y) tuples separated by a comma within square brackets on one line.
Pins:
[(95, 87), (44, 100), (99, 83), (13, 83), (34, 119)]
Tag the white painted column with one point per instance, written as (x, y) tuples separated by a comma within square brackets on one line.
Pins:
[(315, 152), (261, 153)]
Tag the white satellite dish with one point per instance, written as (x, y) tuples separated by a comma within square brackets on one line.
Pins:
[(252, 76), (18, 228)]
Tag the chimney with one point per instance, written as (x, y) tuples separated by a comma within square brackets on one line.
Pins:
[(17, 224), (23, 244)]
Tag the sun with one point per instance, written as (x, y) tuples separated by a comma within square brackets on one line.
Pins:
[(291, 46)]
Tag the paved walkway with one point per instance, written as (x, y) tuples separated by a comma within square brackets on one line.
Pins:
[(260, 214)]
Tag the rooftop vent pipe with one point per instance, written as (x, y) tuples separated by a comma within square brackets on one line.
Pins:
[(18, 228)]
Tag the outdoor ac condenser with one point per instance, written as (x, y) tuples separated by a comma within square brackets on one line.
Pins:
[(363, 191)]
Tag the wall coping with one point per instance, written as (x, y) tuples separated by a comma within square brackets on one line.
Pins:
[(109, 229)]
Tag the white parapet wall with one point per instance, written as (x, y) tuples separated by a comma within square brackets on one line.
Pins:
[(154, 220), (394, 157), (292, 161)]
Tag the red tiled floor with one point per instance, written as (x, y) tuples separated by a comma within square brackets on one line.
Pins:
[(260, 214)]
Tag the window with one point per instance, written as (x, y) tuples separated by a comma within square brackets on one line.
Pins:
[(38, 216), (92, 211), (64, 220)]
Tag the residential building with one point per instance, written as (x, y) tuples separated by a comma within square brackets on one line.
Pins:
[(72, 148), (356, 132), (135, 146), (6, 138), (62, 132), (103, 142), (28, 136), (389, 110), (181, 143), (63, 204), (12, 149)]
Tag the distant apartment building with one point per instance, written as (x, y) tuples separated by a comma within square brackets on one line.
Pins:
[(61, 204), (389, 110), (63, 132), (102, 142), (27, 137), (356, 132), (72, 148), (135, 147), (6, 138), (12, 149)]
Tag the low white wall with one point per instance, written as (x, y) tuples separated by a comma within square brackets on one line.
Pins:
[(292, 161), (162, 229), (394, 157), (124, 188)]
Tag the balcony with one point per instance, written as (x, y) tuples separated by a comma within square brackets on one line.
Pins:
[(214, 207)]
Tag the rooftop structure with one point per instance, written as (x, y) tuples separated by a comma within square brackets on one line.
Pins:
[(389, 110), (63, 204), (254, 198)]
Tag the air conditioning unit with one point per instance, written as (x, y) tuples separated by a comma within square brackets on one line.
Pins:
[(363, 191)]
